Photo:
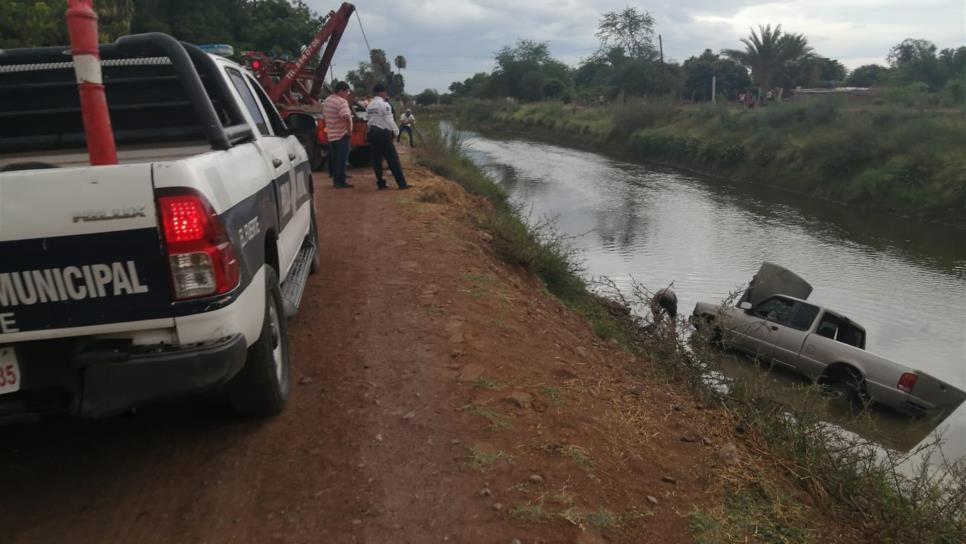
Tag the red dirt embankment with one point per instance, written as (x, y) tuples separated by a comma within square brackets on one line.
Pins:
[(439, 396)]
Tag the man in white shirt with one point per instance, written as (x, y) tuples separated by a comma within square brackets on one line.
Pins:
[(406, 123), (382, 132)]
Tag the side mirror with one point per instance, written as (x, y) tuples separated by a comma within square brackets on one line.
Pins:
[(301, 123), (746, 306)]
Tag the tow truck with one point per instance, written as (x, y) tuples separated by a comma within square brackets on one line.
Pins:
[(157, 227), (294, 87)]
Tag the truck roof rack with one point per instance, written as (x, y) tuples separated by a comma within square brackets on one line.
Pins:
[(39, 105)]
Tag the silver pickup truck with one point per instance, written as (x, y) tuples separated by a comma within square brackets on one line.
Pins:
[(773, 322)]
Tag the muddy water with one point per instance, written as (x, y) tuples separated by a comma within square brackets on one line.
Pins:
[(905, 281)]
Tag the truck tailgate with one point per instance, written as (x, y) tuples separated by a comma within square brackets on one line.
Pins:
[(937, 392), (79, 247)]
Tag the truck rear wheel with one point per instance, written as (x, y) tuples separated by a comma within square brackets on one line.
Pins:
[(359, 157), (262, 386), (318, 154)]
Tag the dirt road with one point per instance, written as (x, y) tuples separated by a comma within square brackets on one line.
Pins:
[(438, 397)]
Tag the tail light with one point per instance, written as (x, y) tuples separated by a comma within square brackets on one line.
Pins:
[(200, 255), (907, 381)]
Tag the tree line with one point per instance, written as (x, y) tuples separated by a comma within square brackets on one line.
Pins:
[(277, 27), (274, 26), (627, 64)]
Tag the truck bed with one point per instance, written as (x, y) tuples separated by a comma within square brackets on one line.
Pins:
[(131, 154)]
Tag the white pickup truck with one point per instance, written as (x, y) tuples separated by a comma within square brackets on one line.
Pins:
[(773, 322), (166, 274)]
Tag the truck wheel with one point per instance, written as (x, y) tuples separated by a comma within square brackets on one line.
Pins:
[(317, 155), (262, 386), (359, 157), (848, 393)]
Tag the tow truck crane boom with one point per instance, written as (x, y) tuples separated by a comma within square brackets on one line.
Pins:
[(331, 31)]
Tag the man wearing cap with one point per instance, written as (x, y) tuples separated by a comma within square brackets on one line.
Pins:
[(338, 127), (382, 132)]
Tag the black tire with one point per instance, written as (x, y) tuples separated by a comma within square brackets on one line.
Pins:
[(318, 155), (848, 392), (359, 157), (262, 386)]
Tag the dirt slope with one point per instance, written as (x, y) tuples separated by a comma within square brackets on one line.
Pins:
[(438, 397)]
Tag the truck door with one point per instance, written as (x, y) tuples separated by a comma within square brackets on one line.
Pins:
[(277, 157), (765, 326), (789, 335)]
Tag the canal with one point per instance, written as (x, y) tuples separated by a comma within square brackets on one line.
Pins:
[(903, 280)]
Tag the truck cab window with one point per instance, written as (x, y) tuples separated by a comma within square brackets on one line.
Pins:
[(841, 330), (238, 80), (803, 316), (777, 310), (274, 119)]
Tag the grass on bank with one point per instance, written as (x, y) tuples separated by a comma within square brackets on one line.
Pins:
[(897, 159), (852, 481), (537, 248)]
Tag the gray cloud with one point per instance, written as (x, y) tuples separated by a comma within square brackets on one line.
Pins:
[(450, 40)]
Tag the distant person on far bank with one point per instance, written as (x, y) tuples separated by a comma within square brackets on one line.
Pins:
[(338, 127), (406, 123), (382, 132)]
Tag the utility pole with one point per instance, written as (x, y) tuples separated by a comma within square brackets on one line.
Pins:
[(660, 45), (714, 89)]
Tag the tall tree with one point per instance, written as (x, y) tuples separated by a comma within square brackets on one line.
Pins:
[(699, 71), (400, 62), (630, 29), (768, 53)]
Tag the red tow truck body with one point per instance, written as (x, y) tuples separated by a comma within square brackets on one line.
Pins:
[(295, 87)]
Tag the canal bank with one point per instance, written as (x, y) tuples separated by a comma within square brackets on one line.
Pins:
[(880, 509), (895, 161)]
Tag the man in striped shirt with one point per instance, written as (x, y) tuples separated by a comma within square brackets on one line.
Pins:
[(338, 127)]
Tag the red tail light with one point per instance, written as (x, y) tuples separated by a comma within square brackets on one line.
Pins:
[(907, 381), (200, 255), (256, 65)]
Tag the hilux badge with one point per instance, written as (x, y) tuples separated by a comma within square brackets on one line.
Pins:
[(109, 215)]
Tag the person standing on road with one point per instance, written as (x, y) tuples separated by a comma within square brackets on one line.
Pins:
[(338, 127), (382, 131), (406, 123)]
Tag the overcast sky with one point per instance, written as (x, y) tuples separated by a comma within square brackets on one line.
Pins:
[(448, 40)]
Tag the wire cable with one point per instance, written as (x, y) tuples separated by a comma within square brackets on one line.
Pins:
[(359, 19)]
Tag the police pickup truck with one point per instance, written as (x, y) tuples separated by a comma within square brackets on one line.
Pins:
[(169, 273)]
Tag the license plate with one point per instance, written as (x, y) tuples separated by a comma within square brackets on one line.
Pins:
[(9, 371)]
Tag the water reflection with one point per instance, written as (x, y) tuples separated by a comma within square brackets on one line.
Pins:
[(905, 281)]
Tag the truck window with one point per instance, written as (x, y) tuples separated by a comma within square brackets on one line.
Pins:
[(40, 107), (777, 310), (841, 330), (274, 119), (803, 316), (238, 80)]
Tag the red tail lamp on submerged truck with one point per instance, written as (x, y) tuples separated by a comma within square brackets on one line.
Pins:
[(201, 257), (906, 382)]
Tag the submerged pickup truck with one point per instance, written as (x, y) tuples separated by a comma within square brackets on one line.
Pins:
[(168, 273), (773, 321)]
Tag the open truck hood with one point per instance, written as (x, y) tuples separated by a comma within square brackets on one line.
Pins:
[(773, 279)]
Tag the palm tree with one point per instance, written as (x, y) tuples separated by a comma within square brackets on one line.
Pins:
[(767, 53), (400, 62)]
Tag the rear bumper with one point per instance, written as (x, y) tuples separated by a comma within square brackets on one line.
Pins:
[(898, 400), (100, 380)]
